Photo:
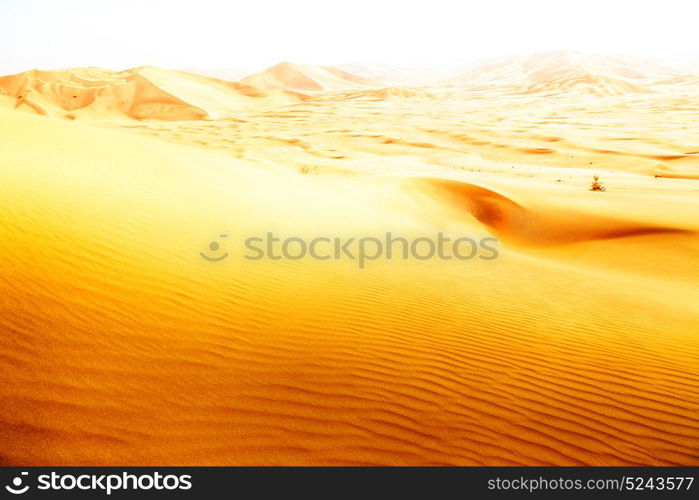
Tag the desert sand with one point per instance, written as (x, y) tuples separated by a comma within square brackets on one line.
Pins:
[(578, 345), (306, 78)]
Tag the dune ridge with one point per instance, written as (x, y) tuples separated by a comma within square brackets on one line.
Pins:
[(545, 225), (560, 64), (306, 78), (139, 93)]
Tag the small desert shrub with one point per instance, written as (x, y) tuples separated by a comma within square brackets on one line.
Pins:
[(307, 169), (596, 185)]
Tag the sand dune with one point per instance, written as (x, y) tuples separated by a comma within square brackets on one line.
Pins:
[(586, 83), (565, 71), (140, 93), (379, 72), (306, 78), (395, 76), (689, 82), (577, 345), (547, 225), (387, 94), (229, 74)]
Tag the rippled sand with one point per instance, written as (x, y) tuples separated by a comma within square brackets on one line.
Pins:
[(578, 345)]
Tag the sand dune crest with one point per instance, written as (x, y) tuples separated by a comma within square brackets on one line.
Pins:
[(139, 93)]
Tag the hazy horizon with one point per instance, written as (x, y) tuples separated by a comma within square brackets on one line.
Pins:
[(218, 35)]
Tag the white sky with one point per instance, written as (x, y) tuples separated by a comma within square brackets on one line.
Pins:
[(253, 34)]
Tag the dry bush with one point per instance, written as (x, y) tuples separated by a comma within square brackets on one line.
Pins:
[(596, 185), (308, 169)]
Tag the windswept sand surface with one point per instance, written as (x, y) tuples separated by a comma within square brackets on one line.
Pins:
[(578, 345)]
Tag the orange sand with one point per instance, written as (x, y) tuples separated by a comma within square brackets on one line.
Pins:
[(578, 345)]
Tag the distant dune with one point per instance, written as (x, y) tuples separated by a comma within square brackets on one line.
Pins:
[(394, 76), (229, 74), (139, 93), (306, 78), (389, 93), (583, 83), (555, 72), (688, 82)]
